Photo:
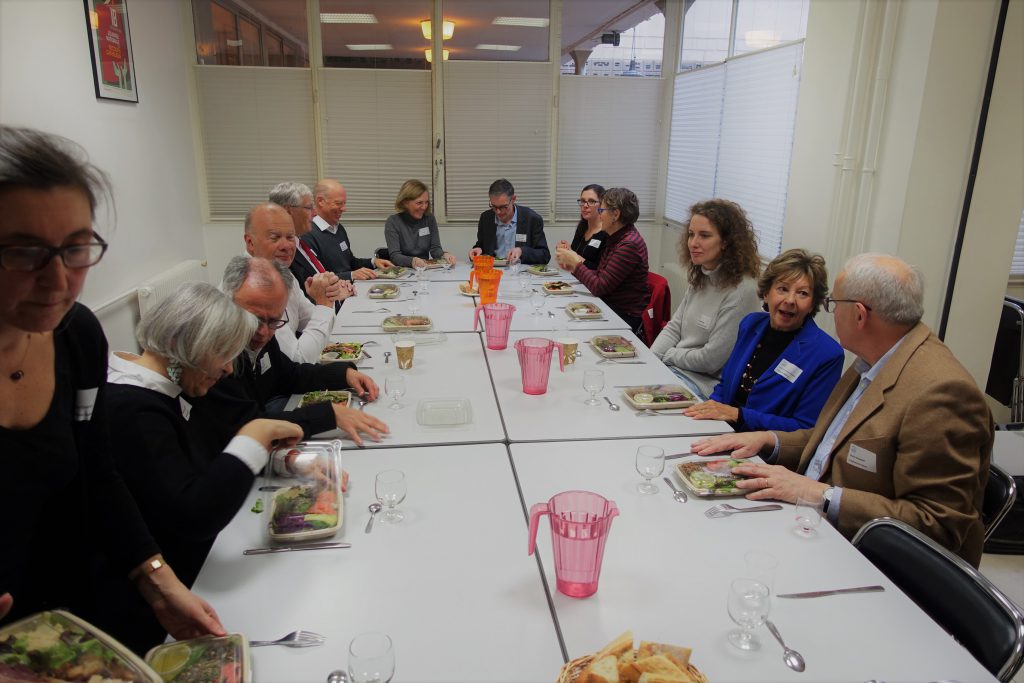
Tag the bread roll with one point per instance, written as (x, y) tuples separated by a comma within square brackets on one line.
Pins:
[(680, 656), (601, 670), (658, 664), (617, 647), (627, 672)]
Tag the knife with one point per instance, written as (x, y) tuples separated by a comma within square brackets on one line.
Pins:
[(287, 548), (837, 591)]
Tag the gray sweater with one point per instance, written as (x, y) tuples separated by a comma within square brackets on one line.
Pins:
[(702, 332), (407, 239)]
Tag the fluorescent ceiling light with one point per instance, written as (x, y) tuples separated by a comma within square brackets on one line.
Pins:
[(533, 22), (342, 18), (372, 46), (502, 48)]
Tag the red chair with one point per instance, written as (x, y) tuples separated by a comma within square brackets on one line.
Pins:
[(659, 308)]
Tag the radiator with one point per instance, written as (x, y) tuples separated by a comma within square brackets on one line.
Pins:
[(155, 290)]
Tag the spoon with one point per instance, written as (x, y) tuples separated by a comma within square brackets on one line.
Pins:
[(387, 357), (793, 659), (374, 509), (338, 676), (612, 406)]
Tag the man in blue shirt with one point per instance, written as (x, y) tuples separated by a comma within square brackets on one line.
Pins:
[(509, 231)]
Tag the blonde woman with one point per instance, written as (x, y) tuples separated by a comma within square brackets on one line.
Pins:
[(412, 234)]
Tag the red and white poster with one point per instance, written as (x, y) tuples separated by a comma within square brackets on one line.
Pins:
[(110, 40)]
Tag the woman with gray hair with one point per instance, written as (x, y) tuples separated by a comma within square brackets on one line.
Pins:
[(190, 462)]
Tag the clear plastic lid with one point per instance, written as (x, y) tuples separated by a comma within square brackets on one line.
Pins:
[(444, 411), (209, 659), (58, 646), (306, 501)]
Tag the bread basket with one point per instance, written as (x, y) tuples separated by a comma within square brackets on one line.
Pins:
[(573, 668)]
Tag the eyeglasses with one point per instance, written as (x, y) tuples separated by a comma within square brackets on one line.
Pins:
[(500, 207), (602, 209), (24, 258), (274, 323), (829, 303), (587, 202)]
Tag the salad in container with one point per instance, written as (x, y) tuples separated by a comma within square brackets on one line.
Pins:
[(613, 346), (382, 292), (209, 659), (306, 502), (56, 646), (708, 478), (392, 273)]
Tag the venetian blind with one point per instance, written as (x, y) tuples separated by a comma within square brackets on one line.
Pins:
[(607, 134), (257, 128), (693, 142), (377, 134), (1017, 266), (497, 125)]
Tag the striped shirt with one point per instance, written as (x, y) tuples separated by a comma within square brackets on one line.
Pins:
[(620, 278)]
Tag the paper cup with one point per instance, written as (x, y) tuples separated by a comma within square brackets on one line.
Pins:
[(569, 349), (404, 350)]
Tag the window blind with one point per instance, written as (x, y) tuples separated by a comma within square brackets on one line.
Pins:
[(497, 125), (257, 128), (608, 134), (377, 132), (1017, 265), (693, 141)]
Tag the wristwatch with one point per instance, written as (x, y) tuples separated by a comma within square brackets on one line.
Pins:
[(826, 499)]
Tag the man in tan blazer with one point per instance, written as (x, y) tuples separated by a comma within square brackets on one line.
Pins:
[(906, 433)]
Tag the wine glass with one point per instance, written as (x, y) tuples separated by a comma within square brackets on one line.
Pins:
[(390, 490), (424, 286), (414, 303), (808, 515), (650, 462), (749, 603), (394, 386), (371, 658), (420, 267), (537, 301), (593, 381)]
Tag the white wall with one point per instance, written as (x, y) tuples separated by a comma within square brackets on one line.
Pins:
[(46, 82)]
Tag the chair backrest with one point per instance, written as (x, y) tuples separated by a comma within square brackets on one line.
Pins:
[(382, 252), (950, 591), (659, 308), (1000, 493)]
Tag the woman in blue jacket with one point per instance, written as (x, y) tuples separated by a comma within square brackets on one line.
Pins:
[(783, 366)]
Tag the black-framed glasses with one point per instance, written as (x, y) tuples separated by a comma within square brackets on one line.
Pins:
[(829, 303), (499, 207), (29, 258), (587, 202), (602, 209), (274, 323)]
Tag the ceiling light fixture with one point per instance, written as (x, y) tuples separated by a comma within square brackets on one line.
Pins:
[(447, 29), (429, 54), (342, 18), (500, 48), (370, 46), (532, 22)]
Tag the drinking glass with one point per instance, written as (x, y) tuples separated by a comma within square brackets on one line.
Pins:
[(371, 658), (808, 515), (424, 286), (593, 381), (749, 603), (414, 303), (445, 265), (650, 462), (419, 271), (761, 567), (537, 301), (394, 386), (390, 490)]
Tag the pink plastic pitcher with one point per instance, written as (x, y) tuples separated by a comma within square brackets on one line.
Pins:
[(535, 362), (497, 319), (580, 521)]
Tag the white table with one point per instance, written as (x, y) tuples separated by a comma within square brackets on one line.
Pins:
[(524, 319), (448, 309), (667, 570), (561, 414), (452, 584), (434, 374)]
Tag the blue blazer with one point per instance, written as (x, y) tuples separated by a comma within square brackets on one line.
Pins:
[(775, 402)]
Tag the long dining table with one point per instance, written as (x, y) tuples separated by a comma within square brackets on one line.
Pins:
[(454, 587)]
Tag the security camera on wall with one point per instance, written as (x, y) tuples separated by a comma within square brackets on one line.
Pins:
[(610, 38)]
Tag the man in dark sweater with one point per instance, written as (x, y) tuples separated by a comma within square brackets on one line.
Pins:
[(329, 239), (263, 372), (510, 231)]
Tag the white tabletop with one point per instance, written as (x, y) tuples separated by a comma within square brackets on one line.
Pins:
[(432, 375), (561, 413), (452, 584), (667, 570), (519, 292), (447, 308)]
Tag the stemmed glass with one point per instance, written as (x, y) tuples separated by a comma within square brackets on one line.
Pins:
[(650, 462), (394, 386), (420, 268), (808, 515), (414, 303), (593, 382), (749, 603), (390, 490), (537, 301), (371, 658)]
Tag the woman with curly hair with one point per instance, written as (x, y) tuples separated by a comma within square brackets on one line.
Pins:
[(720, 250)]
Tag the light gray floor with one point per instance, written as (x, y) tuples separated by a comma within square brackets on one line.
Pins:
[(1007, 572)]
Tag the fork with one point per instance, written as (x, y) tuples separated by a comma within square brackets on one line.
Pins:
[(376, 310), (724, 509), (293, 639), (677, 492), (616, 361), (647, 412)]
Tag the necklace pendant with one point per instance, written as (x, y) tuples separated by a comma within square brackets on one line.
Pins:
[(17, 375)]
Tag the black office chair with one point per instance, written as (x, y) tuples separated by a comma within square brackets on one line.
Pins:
[(953, 593), (1000, 493)]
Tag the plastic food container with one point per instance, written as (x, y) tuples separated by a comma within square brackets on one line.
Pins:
[(342, 351), (306, 503), (396, 323), (383, 292), (58, 646), (659, 396), (208, 659), (613, 346), (584, 310), (444, 411), (311, 397)]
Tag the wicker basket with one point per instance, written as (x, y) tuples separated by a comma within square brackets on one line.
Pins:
[(572, 670)]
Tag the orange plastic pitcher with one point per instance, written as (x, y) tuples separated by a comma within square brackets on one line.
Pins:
[(489, 285), (481, 264)]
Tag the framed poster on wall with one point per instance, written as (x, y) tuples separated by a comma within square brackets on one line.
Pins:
[(110, 40)]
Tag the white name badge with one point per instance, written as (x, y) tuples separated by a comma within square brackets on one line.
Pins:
[(594, 243), (520, 237), (264, 364), (344, 246), (862, 458), (424, 231), (788, 370), (186, 408), (704, 322)]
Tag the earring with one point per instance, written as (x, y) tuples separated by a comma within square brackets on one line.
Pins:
[(174, 371)]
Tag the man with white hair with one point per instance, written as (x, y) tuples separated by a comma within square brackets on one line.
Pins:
[(330, 239), (906, 433)]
